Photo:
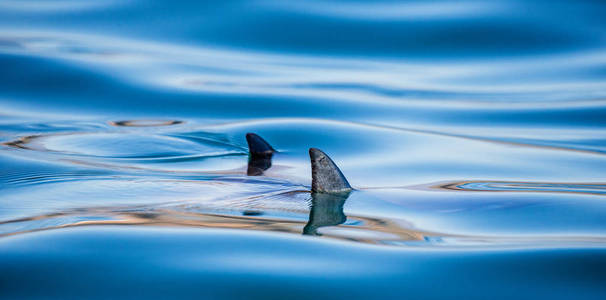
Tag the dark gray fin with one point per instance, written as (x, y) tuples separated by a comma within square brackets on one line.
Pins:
[(325, 175), (260, 155), (326, 210), (257, 145)]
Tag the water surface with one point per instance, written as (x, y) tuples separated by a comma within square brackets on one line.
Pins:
[(473, 133)]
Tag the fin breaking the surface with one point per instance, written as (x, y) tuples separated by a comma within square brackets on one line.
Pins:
[(325, 175), (260, 155), (258, 146)]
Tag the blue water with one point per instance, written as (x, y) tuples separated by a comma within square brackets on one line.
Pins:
[(473, 132)]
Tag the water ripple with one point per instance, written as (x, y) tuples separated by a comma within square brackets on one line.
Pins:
[(144, 123), (545, 187), (472, 133)]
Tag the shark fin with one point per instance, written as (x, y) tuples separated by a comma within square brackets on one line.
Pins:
[(260, 155), (325, 175), (257, 146)]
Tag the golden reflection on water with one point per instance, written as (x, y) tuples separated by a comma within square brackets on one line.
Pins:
[(374, 230), (22, 142), (361, 229)]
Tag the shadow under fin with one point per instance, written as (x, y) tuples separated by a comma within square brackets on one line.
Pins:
[(325, 175)]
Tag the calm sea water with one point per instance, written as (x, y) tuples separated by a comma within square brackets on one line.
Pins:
[(474, 133)]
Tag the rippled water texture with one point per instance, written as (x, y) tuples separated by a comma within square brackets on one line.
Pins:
[(473, 133)]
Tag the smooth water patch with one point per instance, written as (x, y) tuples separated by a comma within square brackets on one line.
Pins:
[(186, 264)]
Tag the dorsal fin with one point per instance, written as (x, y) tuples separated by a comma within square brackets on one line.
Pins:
[(325, 175), (257, 145), (260, 155)]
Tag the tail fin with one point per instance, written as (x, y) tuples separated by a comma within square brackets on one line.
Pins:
[(257, 146), (325, 175)]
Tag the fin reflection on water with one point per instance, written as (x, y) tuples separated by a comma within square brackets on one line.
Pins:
[(326, 210)]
